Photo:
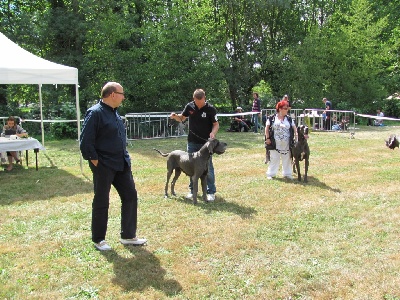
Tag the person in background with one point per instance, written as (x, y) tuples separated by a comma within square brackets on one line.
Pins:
[(103, 144), (284, 132), (256, 108), (240, 121), (286, 98), (328, 107), (379, 122), (203, 124), (11, 128)]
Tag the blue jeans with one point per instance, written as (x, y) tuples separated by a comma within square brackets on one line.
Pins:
[(255, 122), (211, 188)]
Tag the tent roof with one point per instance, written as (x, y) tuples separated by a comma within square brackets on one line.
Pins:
[(18, 66)]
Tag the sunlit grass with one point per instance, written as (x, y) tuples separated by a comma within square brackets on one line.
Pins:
[(336, 237)]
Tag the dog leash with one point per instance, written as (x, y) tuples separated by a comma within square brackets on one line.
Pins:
[(198, 136), (183, 122)]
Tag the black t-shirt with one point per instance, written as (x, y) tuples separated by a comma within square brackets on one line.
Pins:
[(328, 104), (200, 121)]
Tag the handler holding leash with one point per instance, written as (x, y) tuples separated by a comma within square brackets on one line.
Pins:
[(203, 124), (283, 133)]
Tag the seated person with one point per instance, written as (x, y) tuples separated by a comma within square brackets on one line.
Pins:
[(239, 123), (379, 122), (12, 129), (344, 124)]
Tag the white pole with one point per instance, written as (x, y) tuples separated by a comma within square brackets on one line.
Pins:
[(78, 120), (41, 112)]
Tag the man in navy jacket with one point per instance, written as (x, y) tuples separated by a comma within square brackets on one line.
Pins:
[(103, 144)]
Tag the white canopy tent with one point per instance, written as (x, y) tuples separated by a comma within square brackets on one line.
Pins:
[(18, 66)]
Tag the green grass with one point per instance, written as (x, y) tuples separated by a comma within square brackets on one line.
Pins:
[(336, 237)]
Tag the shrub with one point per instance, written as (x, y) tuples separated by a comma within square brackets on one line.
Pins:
[(62, 130)]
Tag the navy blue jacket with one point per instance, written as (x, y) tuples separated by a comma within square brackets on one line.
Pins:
[(103, 137)]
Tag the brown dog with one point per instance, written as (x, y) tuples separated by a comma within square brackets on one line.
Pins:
[(300, 151)]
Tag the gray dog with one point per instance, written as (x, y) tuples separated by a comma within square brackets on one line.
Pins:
[(301, 151), (194, 165)]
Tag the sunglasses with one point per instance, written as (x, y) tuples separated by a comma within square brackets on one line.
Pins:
[(119, 93)]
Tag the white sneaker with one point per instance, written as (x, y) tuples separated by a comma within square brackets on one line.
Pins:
[(102, 246), (134, 241), (269, 177), (210, 197), (189, 196)]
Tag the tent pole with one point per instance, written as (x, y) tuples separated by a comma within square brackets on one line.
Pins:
[(41, 112), (78, 120)]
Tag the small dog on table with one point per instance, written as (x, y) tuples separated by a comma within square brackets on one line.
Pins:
[(301, 151), (392, 142), (194, 165)]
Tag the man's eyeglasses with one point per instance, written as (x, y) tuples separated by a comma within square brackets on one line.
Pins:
[(119, 93)]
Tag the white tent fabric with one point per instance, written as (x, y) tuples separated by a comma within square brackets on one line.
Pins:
[(18, 66)]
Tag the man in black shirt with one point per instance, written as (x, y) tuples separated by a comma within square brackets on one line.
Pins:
[(103, 144), (256, 108), (328, 106), (203, 124)]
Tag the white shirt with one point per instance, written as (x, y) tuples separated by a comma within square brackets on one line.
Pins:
[(281, 133)]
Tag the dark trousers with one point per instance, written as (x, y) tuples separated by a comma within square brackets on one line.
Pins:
[(123, 182), (327, 123)]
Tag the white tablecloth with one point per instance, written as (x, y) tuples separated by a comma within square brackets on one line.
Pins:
[(19, 145)]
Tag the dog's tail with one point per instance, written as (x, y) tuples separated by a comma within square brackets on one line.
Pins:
[(163, 154)]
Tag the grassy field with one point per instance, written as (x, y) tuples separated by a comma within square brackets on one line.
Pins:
[(336, 237)]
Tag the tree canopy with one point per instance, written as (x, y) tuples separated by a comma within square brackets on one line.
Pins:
[(161, 50)]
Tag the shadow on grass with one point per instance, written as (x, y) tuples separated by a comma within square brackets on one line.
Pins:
[(140, 271), (312, 181), (22, 185), (221, 205)]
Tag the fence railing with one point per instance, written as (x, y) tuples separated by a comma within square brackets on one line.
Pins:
[(153, 125), (340, 120), (159, 125)]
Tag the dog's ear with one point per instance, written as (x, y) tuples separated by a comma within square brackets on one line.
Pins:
[(299, 129), (387, 142), (210, 146), (390, 143)]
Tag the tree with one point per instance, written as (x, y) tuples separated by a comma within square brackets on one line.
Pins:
[(342, 61)]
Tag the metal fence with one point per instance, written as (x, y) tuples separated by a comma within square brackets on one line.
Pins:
[(153, 125), (341, 120), (159, 125), (149, 125)]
